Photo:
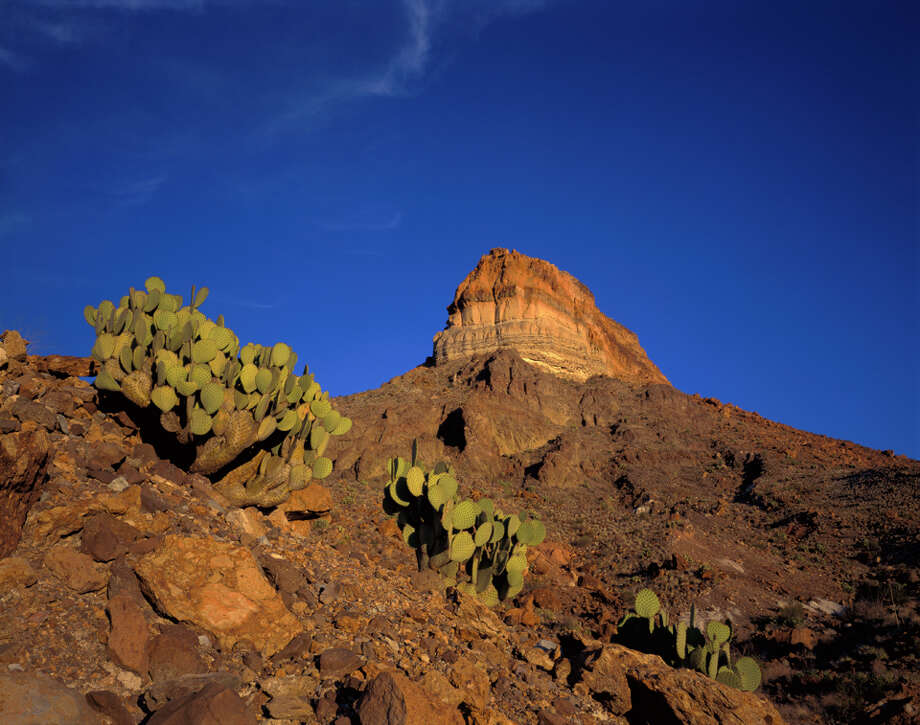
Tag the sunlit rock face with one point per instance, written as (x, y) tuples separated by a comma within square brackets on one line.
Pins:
[(514, 301)]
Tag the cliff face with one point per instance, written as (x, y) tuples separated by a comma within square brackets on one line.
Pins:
[(514, 301)]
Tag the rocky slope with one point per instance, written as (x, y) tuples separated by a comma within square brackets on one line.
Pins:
[(796, 537), (513, 301), (133, 592)]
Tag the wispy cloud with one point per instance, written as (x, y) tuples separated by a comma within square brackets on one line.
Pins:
[(137, 192), (60, 32), (14, 61), (411, 59), (404, 73), (365, 221)]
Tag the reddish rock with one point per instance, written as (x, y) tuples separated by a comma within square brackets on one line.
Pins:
[(22, 469), (129, 636), (64, 365), (14, 345), (30, 410), (548, 316), (16, 573), (338, 662), (110, 705), (220, 587), (106, 538), (59, 402), (78, 571), (314, 500), (214, 705), (472, 681), (174, 653), (393, 699), (32, 698)]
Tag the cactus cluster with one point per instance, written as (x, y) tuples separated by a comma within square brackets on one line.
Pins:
[(262, 429), (471, 544), (686, 645)]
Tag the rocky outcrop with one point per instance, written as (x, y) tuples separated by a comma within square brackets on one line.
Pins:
[(548, 316)]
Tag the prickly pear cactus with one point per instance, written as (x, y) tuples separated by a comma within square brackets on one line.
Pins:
[(705, 650), (473, 545), (258, 429)]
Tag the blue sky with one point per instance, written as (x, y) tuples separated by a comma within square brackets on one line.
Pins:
[(737, 182)]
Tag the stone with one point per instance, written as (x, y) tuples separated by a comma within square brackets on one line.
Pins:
[(110, 705), (60, 402), (291, 707), (29, 410), (548, 316), (220, 587), (78, 571), (604, 674), (16, 573), (33, 698), (174, 653), (23, 456), (294, 650), (106, 538), (539, 658), (391, 698), (310, 502), (14, 345), (213, 705), (129, 636), (160, 693), (285, 575), (64, 365), (247, 521), (635, 684), (438, 686), (338, 662), (472, 681)]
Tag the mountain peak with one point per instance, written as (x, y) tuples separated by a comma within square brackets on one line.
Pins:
[(514, 301)]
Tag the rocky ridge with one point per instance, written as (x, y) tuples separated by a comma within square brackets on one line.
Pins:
[(514, 301)]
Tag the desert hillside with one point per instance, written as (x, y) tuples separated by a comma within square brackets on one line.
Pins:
[(141, 585)]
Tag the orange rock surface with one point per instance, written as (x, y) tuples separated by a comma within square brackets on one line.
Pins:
[(511, 300)]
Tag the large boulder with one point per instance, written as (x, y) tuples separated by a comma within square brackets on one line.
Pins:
[(220, 587), (393, 699)]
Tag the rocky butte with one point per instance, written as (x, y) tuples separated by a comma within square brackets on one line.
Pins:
[(514, 301)]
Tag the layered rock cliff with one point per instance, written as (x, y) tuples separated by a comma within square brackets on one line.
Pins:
[(514, 301)]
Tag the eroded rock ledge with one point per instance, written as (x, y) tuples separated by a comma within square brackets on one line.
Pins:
[(514, 301)]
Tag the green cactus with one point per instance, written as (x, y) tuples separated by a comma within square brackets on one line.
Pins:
[(462, 546), (647, 604), (152, 349), (748, 672), (465, 514)]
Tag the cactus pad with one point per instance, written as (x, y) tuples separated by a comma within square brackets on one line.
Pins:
[(647, 604), (462, 547), (465, 514), (749, 673)]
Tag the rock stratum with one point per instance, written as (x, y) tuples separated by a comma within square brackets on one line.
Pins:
[(514, 301)]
